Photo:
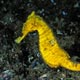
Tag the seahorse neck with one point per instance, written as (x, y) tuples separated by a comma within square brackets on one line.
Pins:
[(45, 34)]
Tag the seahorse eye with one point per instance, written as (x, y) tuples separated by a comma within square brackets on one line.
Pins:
[(51, 42)]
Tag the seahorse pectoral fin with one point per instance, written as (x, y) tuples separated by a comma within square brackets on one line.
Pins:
[(68, 64)]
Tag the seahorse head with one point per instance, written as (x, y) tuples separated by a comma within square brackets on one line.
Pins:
[(30, 24), (33, 22)]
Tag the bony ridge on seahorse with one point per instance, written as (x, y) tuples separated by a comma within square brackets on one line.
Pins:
[(52, 54)]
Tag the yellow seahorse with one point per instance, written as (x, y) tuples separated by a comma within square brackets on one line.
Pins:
[(52, 54)]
